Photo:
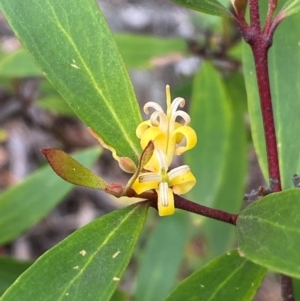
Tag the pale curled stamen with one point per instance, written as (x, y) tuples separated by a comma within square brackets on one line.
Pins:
[(177, 102), (159, 119), (185, 116), (154, 105)]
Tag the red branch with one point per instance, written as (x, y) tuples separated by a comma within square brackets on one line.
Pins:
[(260, 41)]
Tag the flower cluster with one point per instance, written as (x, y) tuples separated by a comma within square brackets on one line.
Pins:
[(170, 138)]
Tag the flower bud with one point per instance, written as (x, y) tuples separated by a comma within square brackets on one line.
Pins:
[(239, 6)]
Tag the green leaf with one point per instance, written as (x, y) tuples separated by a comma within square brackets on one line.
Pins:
[(290, 7), (119, 296), (236, 51), (284, 59), (140, 51), (10, 270), (229, 277), (211, 115), (52, 101), (77, 53), (55, 104), (296, 288), (211, 7), (88, 264), (71, 170), (25, 204), (161, 259), (269, 234), (18, 64), (220, 236)]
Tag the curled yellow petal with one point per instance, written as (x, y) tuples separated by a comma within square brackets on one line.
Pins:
[(140, 187), (142, 127), (165, 204), (160, 142), (183, 183), (185, 133), (156, 135)]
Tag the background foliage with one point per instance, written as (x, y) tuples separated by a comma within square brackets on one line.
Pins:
[(80, 70)]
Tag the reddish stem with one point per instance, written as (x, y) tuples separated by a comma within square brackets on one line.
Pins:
[(187, 205), (260, 42), (216, 214), (260, 45), (254, 16), (271, 9), (184, 204)]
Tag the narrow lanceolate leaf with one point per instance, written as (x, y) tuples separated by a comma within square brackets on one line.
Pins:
[(26, 203), (211, 7), (77, 53), (10, 270), (18, 64), (144, 51), (88, 265), (290, 7), (229, 277), (219, 236), (55, 104), (71, 170), (283, 62), (211, 117), (269, 232)]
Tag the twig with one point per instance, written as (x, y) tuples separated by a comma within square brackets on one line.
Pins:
[(260, 41)]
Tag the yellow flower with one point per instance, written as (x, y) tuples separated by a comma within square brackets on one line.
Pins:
[(172, 137), (178, 180)]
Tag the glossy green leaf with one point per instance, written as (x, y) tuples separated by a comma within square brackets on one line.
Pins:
[(141, 51), (211, 116), (220, 236), (10, 270), (18, 64), (290, 7), (161, 259), (76, 51), (211, 7), (284, 61), (88, 264), (72, 171), (25, 204), (229, 277), (269, 232)]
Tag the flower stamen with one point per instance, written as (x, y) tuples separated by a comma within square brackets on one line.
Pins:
[(154, 105), (149, 177), (163, 192), (178, 171)]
